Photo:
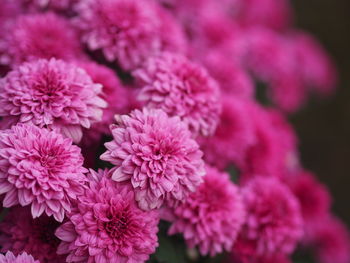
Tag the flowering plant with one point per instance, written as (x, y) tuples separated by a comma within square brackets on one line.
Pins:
[(135, 131)]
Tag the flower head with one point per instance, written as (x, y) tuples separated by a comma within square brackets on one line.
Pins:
[(211, 217), (107, 226), (233, 136), (181, 88), (274, 224), (57, 5), (313, 196), (39, 168), (125, 30), (157, 155), (53, 94), (20, 232), (34, 36), (112, 92), (330, 240), (9, 257)]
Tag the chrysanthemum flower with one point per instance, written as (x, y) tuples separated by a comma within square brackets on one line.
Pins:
[(181, 88), (107, 226), (52, 94), (112, 92), (233, 136), (40, 168), (125, 30), (157, 155), (313, 196), (274, 224), (22, 258), (317, 69), (20, 232), (34, 36), (330, 240), (211, 217), (59, 5)]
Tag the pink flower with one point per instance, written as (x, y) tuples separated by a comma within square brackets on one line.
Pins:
[(231, 77), (40, 168), (59, 5), (172, 35), (22, 258), (20, 232), (276, 258), (112, 92), (273, 224), (317, 69), (273, 152), (34, 36), (52, 94), (313, 196), (211, 217), (330, 240), (275, 14), (233, 136), (125, 30), (157, 155), (107, 226), (181, 88)]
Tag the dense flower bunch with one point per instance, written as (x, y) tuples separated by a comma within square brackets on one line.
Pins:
[(138, 130)]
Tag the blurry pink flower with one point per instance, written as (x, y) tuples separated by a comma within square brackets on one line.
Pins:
[(313, 196), (211, 217), (273, 223), (22, 258), (172, 35), (57, 5), (157, 155), (52, 94), (39, 168), (233, 136), (34, 36), (125, 30), (330, 240), (231, 77), (112, 92), (20, 232), (181, 88), (317, 69), (275, 14), (107, 226)]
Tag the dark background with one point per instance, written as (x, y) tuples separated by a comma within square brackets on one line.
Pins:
[(323, 126)]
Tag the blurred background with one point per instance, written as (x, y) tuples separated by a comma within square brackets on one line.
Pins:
[(323, 126)]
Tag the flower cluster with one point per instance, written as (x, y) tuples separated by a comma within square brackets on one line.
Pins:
[(135, 130)]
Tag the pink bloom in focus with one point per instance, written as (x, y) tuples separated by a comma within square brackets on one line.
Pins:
[(181, 88), (22, 258), (273, 224), (125, 30), (34, 36), (39, 168), (211, 217), (112, 92), (20, 232), (313, 196), (233, 136), (330, 240), (52, 94), (107, 226), (157, 155)]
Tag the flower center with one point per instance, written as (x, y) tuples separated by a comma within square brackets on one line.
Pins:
[(117, 225)]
